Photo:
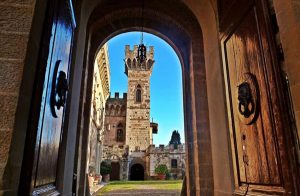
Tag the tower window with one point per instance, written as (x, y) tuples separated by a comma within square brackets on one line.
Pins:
[(138, 94), (120, 133)]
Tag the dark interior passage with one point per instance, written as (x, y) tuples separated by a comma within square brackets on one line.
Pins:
[(137, 172)]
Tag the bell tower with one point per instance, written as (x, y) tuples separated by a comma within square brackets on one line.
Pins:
[(138, 68)]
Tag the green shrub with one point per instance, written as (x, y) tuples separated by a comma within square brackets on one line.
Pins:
[(105, 168), (161, 169)]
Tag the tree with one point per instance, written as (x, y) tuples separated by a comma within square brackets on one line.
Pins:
[(175, 139)]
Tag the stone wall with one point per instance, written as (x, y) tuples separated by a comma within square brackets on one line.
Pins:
[(115, 150), (288, 18), (117, 153), (164, 155), (16, 19)]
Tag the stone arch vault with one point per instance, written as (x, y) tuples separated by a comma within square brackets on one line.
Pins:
[(178, 26)]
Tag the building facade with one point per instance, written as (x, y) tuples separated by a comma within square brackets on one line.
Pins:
[(101, 88), (115, 149)]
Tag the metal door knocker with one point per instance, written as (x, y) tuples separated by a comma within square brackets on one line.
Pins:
[(246, 104), (248, 99), (59, 90)]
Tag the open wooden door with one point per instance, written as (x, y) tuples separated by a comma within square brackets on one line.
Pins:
[(261, 162), (39, 171)]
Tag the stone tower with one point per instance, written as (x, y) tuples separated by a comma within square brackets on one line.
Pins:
[(138, 130)]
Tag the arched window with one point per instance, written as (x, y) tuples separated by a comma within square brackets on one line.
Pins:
[(120, 133), (138, 94), (129, 63)]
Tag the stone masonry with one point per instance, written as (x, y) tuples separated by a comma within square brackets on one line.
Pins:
[(16, 19), (173, 158), (138, 113)]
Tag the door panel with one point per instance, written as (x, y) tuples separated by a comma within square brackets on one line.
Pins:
[(55, 87), (256, 124), (255, 140)]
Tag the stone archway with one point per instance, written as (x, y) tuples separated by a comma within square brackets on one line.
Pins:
[(202, 133), (137, 172), (178, 26)]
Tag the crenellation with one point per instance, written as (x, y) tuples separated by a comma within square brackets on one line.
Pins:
[(138, 70)]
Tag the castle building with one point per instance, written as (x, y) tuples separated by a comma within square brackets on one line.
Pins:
[(128, 140), (128, 128)]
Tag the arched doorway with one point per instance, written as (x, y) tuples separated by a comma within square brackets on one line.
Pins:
[(115, 171), (183, 33), (137, 172), (179, 26)]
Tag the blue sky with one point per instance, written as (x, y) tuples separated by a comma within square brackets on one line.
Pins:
[(166, 82)]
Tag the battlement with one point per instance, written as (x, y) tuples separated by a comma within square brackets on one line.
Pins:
[(132, 62), (133, 53), (117, 96), (166, 149)]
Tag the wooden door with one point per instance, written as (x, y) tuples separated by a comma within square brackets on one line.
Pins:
[(50, 101), (115, 171), (259, 150)]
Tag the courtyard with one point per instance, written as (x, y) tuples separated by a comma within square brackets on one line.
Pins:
[(147, 188)]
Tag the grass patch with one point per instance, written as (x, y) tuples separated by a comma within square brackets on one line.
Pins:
[(138, 185)]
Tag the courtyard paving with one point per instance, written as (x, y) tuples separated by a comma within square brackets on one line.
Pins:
[(144, 188)]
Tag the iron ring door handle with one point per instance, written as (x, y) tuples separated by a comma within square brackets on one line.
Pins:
[(246, 112), (59, 89), (248, 96), (245, 99)]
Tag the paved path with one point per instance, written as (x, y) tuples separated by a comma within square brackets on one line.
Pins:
[(144, 192)]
